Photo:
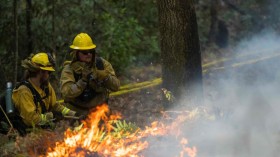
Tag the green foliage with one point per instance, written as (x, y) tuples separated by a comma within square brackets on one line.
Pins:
[(122, 40), (123, 129), (120, 128), (126, 32), (123, 36)]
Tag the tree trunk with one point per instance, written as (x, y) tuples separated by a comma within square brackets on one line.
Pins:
[(214, 21), (16, 40), (180, 50), (28, 27), (218, 31)]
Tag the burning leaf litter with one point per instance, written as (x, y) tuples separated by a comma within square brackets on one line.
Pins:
[(108, 136)]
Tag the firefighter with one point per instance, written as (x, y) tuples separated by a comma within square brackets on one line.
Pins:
[(34, 98), (86, 80)]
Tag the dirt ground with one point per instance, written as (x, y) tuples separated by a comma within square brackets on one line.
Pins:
[(141, 106)]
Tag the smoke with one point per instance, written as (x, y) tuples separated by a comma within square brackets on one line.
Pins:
[(265, 42), (245, 102), (242, 104)]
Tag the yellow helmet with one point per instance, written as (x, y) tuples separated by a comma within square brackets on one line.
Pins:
[(43, 61), (82, 42)]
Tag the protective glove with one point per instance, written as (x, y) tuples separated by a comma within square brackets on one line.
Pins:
[(71, 114), (46, 118), (102, 75), (75, 115), (67, 112), (86, 74), (77, 67), (80, 116)]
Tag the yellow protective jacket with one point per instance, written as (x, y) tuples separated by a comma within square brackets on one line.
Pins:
[(71, 88), (24, 102)]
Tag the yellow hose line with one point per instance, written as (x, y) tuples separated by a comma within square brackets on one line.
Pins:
[(238, 56), (205, 70), (251, 61), (135, 85), (136, 88), (147, 84)]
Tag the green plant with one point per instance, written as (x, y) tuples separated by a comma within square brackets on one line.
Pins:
[(122, 129)]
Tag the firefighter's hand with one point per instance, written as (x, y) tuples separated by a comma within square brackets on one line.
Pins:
[(67, 112), (71, 113), (46, 118), (102, 75), (74, 115), (80, 116), (86, 73), (77, 67)]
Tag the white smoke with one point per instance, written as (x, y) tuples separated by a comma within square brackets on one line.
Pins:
[(245, 101)]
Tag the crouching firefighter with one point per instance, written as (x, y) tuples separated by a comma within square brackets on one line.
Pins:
[(86, 80), (34, 98)]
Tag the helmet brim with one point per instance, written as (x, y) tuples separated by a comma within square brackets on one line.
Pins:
[(47, 68), (82, 48)]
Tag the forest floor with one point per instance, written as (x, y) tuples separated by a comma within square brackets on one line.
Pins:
[(211, 133)]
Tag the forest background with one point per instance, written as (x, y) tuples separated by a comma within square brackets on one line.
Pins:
[(125, 32)]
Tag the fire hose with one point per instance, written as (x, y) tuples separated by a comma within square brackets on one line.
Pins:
[(132, 87), (206, 69), (128, 88)]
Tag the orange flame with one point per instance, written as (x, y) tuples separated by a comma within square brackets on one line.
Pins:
[(95, 138)]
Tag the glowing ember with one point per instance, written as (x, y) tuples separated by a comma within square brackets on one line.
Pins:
[(101, 135)]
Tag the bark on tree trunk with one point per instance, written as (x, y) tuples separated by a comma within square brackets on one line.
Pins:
[(180, 50)]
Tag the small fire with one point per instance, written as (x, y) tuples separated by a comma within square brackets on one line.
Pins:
[(97, 136)]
